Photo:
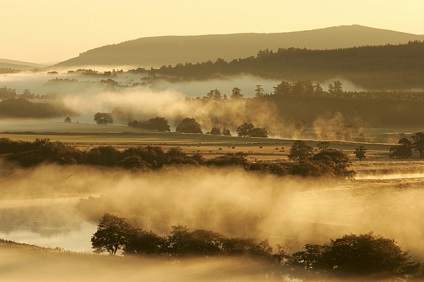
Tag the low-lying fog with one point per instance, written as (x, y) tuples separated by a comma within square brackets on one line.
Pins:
[(59, 206)]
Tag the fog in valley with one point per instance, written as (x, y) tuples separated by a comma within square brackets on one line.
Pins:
[(59, 207), (83, 95), (292, 212)]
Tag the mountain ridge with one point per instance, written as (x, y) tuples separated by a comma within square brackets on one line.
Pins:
[(171, 50)]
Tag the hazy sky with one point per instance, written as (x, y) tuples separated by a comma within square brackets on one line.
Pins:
[(54, 30)]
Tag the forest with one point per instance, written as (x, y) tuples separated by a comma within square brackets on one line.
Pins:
[(390, 67)]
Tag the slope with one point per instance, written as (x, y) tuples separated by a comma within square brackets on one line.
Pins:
[(170, 50)]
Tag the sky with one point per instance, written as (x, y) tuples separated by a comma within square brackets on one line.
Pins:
[(47, 31)]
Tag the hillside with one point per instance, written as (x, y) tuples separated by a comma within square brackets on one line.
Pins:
[(389, 67), (171, 50), (18, 65)]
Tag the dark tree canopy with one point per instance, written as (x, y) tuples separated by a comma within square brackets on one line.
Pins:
[(189, 125), (418, 143), (111, 235), (215, 131), (244, 129), (403, 150), (355, 255), (300, 151), (103, 118), (360, 152), (157, 124), (249, 130)]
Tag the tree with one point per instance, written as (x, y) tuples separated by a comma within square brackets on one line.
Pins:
[(259, 91), (360, 152), (403, 150), (335, 88), (157, 123), (142, 242), (189, 125), (418, 144), (337, 160), (300, 151), (67, 120), (215, 131), (103, 118), (258, 132), (356, 255), (112, 234), (236, 94), (226, 132), (244, 129)]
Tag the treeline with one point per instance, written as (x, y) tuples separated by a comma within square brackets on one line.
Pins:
[(327, 162), (405, 146), (9, 93), (346, 257), (303, 102), (22, 108), (372, 67)]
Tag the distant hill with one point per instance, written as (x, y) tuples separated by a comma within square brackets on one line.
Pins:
[(18, 65), (371, 67), (171, 50)]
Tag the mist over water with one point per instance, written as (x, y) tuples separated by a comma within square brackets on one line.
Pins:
[(287, 211)]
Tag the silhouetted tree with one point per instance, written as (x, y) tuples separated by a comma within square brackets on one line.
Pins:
[(103, 118), (112, 234), (236, 94), (67, 120), (401, 151), (300, 151), (356, 256), (258, 132), (245, 129), (360, 152), (215, 131), (226, 132), (259, 91), (189, 125), (418, 143)]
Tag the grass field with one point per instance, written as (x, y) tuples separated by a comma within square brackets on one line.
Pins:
[(85, 136)]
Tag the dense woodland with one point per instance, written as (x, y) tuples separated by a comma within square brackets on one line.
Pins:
[(351, 256), (371, 67)]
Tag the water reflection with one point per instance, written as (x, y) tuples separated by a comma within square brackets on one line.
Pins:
[(45, 222)]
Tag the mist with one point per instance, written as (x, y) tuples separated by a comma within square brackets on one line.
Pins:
[(232, 202)]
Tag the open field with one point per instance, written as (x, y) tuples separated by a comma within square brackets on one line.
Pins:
[(86, 136)]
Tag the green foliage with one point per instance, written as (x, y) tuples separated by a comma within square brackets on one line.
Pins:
[(189, 125)]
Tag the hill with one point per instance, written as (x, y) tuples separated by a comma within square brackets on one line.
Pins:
[(388, 67), (170, 50), (18, 65)]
